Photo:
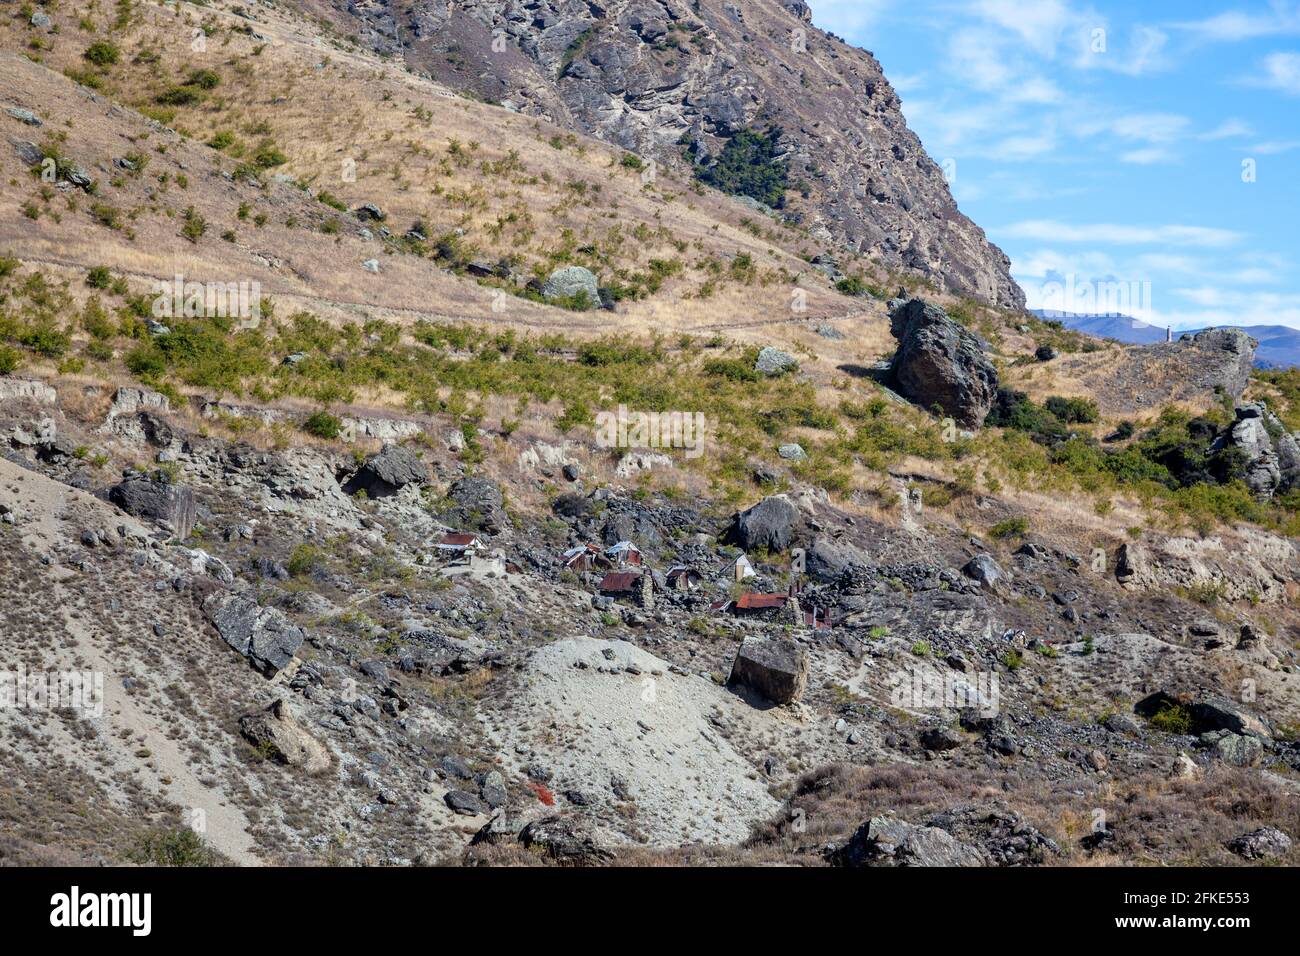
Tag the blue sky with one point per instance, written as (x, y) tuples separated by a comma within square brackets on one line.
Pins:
[(1144, 149)]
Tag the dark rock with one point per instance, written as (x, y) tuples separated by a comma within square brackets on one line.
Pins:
[(477, 503), (465, 803), (388, 472), (940, 363), (565, 840), (984, 569), (941, 739), (885, 841), (170, 505), (769, 525), (1262, 844)]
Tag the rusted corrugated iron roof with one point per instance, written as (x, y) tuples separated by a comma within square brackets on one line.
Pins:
[(619, 581), (756, 602)]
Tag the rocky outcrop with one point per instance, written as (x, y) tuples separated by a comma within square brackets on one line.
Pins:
[(775, 667), (477, 504), (262, 634), (940, 363), (385, 474), (675, 81), (1200, 369), (169, 505), (275, 734), (1270, 455)]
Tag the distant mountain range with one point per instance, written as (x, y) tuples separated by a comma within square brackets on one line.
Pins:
[(1279, 345)]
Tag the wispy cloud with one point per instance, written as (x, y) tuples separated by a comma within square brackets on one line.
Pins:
[(1228, 129), (1048, 230), (1232, 26)]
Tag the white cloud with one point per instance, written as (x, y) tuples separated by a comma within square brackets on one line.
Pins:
[(1233, 26), (1272, 147), (1149, 127), (1279, 71), (1229, 129), (1047, 230), (1038, 23), (1149, 156)]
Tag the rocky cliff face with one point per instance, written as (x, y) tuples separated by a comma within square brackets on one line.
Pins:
[(671, 77)]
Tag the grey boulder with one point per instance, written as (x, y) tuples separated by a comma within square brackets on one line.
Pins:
[(262, 634), (777, 668), (571, 282)]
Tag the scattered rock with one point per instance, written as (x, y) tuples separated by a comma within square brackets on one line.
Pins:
[(262, 634)]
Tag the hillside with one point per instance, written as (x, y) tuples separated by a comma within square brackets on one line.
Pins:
[(395, 567), (694, 84)]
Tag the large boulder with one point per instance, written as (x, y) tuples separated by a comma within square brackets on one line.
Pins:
[(769, 525), (773, 362), (262, 634), (1261, 844), (477, 503), (827, 560), (278, 736), (1220, 713), (885, 841), (777, 668), (569, 283), (163, 502), (566, 840), (1231, 353), (940, 363), (388, 472)]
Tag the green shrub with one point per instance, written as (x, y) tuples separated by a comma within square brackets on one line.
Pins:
[(323, 425), (1015, 527), (102, 53), (748, 166), (10, 359), (179, 847), (1172, 718)]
